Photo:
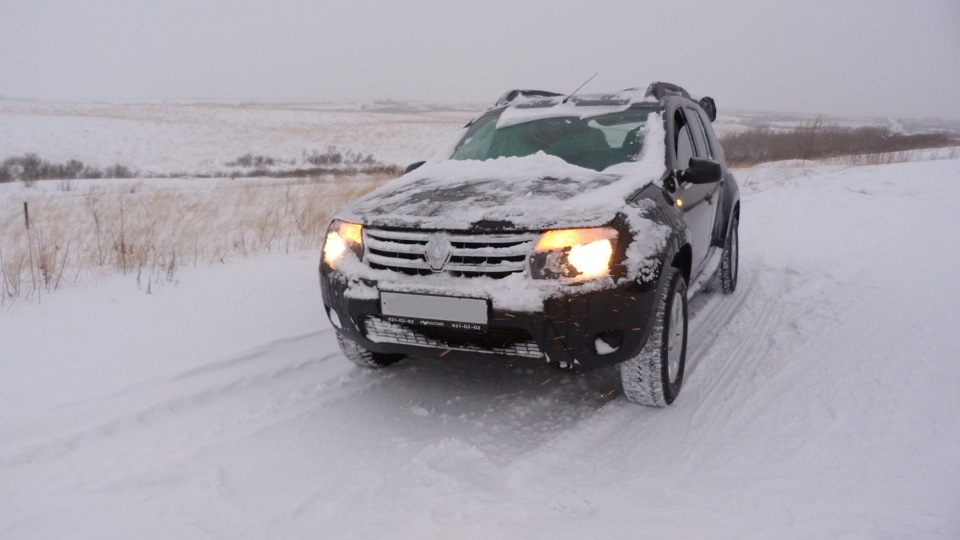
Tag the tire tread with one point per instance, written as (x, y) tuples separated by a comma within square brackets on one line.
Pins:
[(362, 357), (642, 376)]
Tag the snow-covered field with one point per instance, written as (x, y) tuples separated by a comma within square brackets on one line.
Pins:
[(822, 400), (200, 138)]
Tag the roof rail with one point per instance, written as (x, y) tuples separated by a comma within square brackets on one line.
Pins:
[(661, 89), (514, 94)]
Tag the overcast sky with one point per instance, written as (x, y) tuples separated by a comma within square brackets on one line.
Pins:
[(860, 57)]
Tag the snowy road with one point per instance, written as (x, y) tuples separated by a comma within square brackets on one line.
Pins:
[(823, 401)]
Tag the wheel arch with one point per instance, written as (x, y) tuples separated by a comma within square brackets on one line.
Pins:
[(683, 261), (730, 209)]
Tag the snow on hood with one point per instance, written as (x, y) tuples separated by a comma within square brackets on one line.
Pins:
[(532, 192)]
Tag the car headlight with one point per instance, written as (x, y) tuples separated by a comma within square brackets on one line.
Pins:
[(578, 254), (342, 237)]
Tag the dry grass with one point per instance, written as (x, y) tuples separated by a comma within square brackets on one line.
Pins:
[(148, 230), (819, 140), (903, 156)]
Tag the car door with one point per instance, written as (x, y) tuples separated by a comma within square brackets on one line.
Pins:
[(696, 200)]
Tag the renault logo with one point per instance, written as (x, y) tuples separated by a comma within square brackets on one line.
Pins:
[(437, 252)]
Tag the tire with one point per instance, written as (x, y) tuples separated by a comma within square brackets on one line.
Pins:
[(364, 358), (655, 375), (730, 262)]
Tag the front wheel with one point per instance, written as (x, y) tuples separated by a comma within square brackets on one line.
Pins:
[(655, 375)]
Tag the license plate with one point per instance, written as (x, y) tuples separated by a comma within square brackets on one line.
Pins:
[(440, 311)]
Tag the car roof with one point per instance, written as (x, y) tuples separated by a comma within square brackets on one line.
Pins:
[(653, 96), (537, 99)]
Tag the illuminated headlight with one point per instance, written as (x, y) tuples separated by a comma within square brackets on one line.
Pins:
[(342, 237), (578, 254)]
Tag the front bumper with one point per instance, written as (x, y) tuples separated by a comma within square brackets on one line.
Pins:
[(566, 331)]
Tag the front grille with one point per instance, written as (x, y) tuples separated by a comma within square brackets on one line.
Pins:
[(507, 341), (471, 255)]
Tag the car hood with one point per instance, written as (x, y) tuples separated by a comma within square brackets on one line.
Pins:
[(518, 193)]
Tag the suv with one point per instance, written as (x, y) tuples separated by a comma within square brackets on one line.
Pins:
[(567, 229)]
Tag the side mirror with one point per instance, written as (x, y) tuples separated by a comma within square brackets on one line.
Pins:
[(702, 171), (709, 106), (413, 166)]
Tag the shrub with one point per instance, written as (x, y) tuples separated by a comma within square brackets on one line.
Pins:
[(118, 171), (250, 160), (315, 163), (334, 156), (30, 167)]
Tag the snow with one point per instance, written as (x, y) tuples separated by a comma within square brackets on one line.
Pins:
[(820, 400), (557, 109), (472, 191), (649, 239), (603, 347), (200, 138)]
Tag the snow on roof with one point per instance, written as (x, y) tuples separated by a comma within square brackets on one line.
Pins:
[(587, 106)]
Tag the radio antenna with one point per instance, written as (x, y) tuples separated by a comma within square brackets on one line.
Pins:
[(579, 87)]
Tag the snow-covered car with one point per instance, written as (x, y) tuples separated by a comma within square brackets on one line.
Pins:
[(567, 229)]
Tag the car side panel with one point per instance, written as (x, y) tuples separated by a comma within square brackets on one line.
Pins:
[(697, 200)]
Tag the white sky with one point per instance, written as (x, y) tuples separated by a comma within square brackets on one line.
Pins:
[(860, 57)]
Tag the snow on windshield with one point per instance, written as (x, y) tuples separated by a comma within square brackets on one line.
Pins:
[(533, 192), (593, 137)]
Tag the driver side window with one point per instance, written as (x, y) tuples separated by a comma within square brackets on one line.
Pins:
[(684, 141)]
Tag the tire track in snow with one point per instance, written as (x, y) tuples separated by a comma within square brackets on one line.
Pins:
[(735, 338), (712, 373), (147, 404), (216, 365)]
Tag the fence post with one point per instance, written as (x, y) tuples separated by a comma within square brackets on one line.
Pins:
[(26, 215)]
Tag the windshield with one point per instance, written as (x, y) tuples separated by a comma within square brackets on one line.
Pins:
[(594, 143)]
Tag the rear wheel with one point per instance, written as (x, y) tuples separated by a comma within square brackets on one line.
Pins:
[(362, 357), (655, 375), (730, 263)]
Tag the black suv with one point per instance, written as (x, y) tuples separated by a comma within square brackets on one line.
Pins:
[(568, 229)]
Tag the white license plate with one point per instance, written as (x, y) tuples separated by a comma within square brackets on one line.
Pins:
[(427, 310)]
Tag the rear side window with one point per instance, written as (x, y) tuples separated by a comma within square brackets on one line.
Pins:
[(716, 151), (703, 141)]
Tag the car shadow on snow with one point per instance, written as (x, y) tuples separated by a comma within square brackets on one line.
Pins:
[(513, 381)]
